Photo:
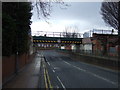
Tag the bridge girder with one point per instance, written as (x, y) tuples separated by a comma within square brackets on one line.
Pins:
[(56, 40)]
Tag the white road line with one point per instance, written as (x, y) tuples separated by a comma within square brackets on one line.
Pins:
[(57, 86), (79, 68), (75, 66), (46, 60), (53, 70), (97, 66), (114, 83), (61, 82), (67, 63), (56, 68), (48, 63)]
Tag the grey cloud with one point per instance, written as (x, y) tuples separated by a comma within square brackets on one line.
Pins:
[(88, 12)]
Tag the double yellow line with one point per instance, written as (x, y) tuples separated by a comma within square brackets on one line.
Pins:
[(47, 80)]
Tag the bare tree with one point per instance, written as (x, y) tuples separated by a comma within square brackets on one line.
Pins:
[(71, 32), (109, 11), (44, 7)]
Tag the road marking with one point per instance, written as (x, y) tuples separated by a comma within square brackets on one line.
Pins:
[(46, 85), (48, 79), (61, 82), (57, 68), (46, 59), (43, 66), (75, 66), (53, 71), (48, 63), (80, 68), (67, 63), (57, 86), (114, 83)]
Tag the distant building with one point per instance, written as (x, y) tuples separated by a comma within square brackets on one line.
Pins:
[(86, 35), (99, 31), (86, 45), (100, 43), (108, 42)]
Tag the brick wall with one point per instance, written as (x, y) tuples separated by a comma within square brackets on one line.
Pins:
[(8, 65)]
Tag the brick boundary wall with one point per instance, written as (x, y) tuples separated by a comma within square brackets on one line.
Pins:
[(104, 62), (8, 66)]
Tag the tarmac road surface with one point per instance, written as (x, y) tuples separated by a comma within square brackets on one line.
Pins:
[(60, 71)]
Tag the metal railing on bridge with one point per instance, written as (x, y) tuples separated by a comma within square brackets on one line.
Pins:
[(57, 34)]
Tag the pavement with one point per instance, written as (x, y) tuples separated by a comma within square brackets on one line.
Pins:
[(28, 77)]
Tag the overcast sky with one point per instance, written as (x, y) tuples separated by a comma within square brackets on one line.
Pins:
[(84, 15)]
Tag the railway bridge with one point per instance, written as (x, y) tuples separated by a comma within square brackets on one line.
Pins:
[(43, 42)]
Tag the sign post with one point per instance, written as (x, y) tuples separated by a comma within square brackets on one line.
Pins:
[(59, 41)]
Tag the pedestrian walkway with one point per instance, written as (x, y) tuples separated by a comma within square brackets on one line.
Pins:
[(28, 77)]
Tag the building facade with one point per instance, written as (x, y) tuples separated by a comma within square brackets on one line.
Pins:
[(106, 44)]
